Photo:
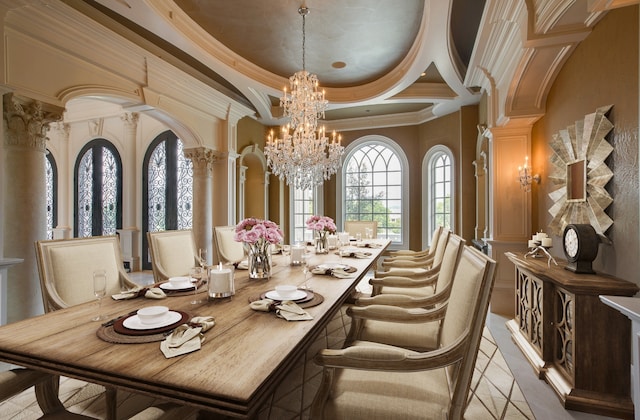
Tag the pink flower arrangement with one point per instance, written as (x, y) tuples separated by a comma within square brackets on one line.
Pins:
[(257, 231), (321, 224)]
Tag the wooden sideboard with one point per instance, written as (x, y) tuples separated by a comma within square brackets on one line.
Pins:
[(579, 345)]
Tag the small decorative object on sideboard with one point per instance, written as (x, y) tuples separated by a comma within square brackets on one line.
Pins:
[(580, 244), (538, 247)]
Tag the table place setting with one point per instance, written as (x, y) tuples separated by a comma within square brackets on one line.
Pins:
[(337, 270), (147, 292), (187, 338), (287, 301), (354, 253)]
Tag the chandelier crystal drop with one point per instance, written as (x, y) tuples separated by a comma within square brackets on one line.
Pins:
[(303, 155)]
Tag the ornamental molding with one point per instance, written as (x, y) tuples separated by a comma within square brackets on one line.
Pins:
[(27, 122)]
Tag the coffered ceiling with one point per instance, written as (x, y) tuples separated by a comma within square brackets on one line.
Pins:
[(406, 59)]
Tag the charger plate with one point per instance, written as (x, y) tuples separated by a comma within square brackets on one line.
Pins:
[(110, 335)]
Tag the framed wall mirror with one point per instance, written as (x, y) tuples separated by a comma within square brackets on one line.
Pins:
[(579, 174)]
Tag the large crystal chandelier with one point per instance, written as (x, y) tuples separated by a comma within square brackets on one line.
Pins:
[(303, 155)]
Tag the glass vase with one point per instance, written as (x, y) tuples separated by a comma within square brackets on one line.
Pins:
[(322, 246), (259, 260)]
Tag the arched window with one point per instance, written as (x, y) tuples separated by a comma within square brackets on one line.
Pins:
[(51, 171), (167, 189), (98, 190), (304, 204), (439, 195), (374, 186)]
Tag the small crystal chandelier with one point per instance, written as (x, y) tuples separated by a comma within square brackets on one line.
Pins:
[(303, 155)]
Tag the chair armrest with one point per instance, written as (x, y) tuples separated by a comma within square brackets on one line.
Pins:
[(408, 272), (403, 301), (403, 281), (397, 314), (408, 263), (369, 356)]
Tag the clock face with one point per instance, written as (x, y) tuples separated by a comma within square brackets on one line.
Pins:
[(571, 243)]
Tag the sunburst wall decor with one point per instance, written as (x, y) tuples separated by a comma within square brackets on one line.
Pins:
[(582, 142)]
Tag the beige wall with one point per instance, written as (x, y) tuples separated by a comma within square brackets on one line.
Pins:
[(602, 70)]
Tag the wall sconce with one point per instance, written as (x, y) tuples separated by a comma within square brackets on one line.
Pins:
[(525, 177)]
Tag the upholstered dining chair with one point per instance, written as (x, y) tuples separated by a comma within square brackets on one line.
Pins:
[(418, 292), (360, 226), (380, 381), (66, 270), (407, 254), (14, 381), (228, 250), (418, 270), (421, 262), (173, 253)]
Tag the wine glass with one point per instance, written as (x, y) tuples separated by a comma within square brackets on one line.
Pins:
[(202, 254), (99, 290), (196, 274), (306, 269)]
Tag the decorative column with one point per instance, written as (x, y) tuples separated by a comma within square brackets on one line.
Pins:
[(63, 229), (130, 233), (510, 207), (203, 160), (25, 199)]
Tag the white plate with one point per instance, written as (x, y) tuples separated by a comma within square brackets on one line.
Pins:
[(134, 323), (297, 295), (169, 286), (332, 266)]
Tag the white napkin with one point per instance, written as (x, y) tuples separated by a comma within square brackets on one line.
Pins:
[(149, 293), (336, 272), (187, 338), (292, 312), (355, 254), (263, 305)]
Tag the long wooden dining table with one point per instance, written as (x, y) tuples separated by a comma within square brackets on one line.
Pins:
[(242, 359)]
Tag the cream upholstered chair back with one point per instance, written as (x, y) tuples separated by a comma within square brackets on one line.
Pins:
[(450, 259), (465, 317), (66, 269), (359, 226), (434, 239), (228, 249), (443, 238), (173, 253)]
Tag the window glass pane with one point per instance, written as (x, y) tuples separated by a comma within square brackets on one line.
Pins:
[(440, 187), (85, 194), (109, 192), (50, 192), (185, 189), (157, 187), (373, 189)]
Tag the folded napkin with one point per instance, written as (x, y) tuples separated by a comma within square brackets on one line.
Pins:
[(286, 309), (187, 338), (335, 272), (369, 245), (292, 312), (243, 265), (355, 254), (148, 292)]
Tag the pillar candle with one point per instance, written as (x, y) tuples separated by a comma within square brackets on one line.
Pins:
[(296, 254), (332, 240), (547, 242), (220, 282), (532, 244)]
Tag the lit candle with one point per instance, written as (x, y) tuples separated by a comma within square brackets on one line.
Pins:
[(220, 282), (332, 241), (296, 254)]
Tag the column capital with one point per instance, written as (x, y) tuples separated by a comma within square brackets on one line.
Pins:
[(203, 158), (27, 122)]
